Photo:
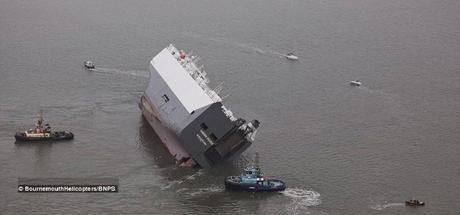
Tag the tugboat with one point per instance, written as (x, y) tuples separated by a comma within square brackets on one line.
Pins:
[(252, 179), (89, 65), (291, 56), (415, 202), (42, 132)]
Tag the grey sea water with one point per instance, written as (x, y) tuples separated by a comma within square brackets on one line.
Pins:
[(341, 150)]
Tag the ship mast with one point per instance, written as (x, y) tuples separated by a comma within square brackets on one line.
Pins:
[(39, 125), (41, 116), (256, 160)]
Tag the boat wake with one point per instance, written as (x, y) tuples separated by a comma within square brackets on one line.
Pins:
[(194, 175), (301, 199), (197, 192), (375, 92), (184, 179), (380, 207), (138, 73), (393, 100), (259, 50), (244, 46), (171, 184), (206, 191)]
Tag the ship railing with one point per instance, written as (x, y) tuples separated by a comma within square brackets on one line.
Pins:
[(200, 77), (252, 135), (197, 73), (228, 113)]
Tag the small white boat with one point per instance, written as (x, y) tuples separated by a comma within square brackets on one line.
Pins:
[(89, 65), (356, 83), (291, 56)]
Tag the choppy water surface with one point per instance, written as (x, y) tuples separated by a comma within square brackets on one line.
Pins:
[(341, 150)]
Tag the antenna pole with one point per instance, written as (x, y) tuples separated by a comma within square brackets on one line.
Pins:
[(256, 160)]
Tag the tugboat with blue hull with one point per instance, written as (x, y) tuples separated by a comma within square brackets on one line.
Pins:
[(253, 180), (42, 132)]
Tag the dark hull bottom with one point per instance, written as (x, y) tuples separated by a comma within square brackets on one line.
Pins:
[(415, 204), (67, 136), (255, 187)]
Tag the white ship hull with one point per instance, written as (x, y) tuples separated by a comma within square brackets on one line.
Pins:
[(189, 117), (167, 137)]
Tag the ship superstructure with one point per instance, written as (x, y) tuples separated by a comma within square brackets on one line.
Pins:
[(188, 116)]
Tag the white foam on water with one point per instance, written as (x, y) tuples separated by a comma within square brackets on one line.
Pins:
[(301, 199), (380, 207), (208, 190), (298, 193), (250, 47), (389, 99), (244, 46), (194, 175), (181, 190), (260, 50), (379, 93), (180, 181), (171, 184)]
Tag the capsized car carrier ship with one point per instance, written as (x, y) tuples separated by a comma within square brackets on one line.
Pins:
[(189, 117)]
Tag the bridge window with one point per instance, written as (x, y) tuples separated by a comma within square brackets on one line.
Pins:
[(213, 137)]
